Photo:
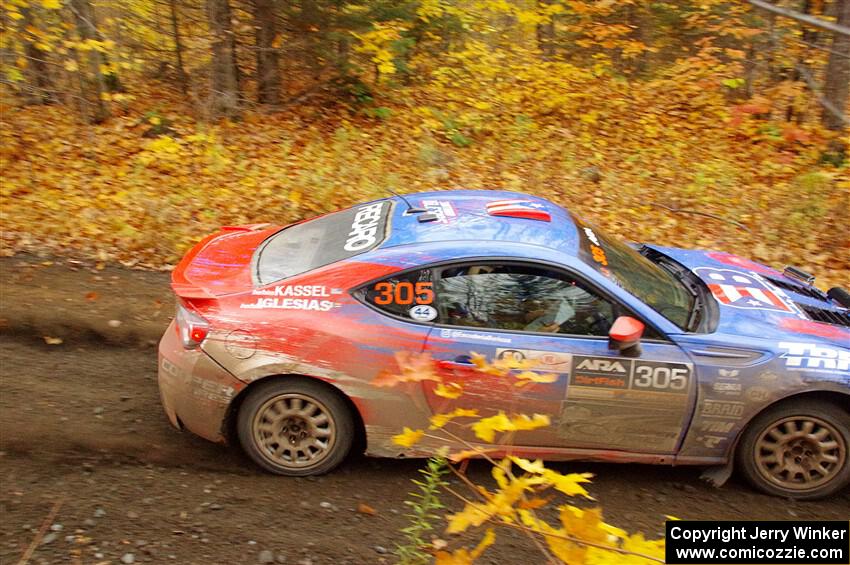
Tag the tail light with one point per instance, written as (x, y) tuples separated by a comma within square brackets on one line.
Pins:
[(192, 328)]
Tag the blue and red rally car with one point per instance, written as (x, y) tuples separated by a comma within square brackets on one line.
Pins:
[(662, 355)]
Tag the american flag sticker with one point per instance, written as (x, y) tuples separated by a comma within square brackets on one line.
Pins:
[(525, 209), (741, 290)]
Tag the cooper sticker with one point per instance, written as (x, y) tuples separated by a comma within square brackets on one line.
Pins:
[(816, 358), (741, 290), (423, 313)]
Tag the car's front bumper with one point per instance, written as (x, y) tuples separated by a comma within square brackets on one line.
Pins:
[(195, 390)]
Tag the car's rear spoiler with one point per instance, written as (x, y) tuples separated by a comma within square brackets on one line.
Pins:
[(180, 283)]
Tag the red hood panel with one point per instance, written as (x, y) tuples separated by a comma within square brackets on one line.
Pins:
[(220, 264)]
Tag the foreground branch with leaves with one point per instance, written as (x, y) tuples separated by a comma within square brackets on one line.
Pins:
[(523, 488)]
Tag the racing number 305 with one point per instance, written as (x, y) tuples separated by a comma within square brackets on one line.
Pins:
[(404, 293), (661, 378)]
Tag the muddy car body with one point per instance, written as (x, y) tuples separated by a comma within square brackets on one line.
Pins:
[(281, 330)]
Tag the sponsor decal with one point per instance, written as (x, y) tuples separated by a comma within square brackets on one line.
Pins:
[(311, 304), (742, 290), (170, 368), (478, 336), (757, 394), (422, 313), (298, 290), (541, 360), (364, 228), (728, 373), (210, 390), (816, 358), (733, 389), (635, 375), (722, 409), (443, 209), (716, 426), (519, 209), (711, 442)]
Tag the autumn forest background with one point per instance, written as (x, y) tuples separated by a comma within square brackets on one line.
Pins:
[(132, 128)]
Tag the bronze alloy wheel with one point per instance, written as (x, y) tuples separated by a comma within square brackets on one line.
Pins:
[(800, 452), (798, 448), (295, 426), (294, 430)]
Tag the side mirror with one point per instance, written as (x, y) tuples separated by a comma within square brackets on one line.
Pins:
[(624, 335)]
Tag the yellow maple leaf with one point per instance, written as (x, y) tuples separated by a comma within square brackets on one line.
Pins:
[(485, 429), (526, 377), (463, 556), (51, 4), (569, 484), (408, 437), (440, 420), (448, 390)]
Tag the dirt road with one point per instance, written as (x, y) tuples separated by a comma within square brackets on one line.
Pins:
[(81, 429)]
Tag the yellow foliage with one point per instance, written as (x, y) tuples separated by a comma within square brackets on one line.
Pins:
[(408, 438), (486, 428), (463, 556), (440, 420)]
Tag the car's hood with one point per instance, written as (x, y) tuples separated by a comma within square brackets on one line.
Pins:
[(758, 301)]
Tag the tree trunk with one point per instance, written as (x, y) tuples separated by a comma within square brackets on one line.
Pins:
[(546, 34), (178, 48), (837, 82), (94, 83), (268, 67), (37, 72), (225, 76)]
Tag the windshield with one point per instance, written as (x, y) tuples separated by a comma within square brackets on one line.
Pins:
[(655, 286), (325, 240)]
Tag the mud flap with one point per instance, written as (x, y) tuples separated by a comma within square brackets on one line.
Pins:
[(718, 475)]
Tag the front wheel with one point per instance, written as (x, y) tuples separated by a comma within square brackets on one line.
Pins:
[(798, 449), (295, 427)]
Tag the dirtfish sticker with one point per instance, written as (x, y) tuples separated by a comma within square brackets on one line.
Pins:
[(811, 357)]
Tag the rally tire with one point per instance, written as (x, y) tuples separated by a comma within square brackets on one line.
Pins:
[(797, 449), (295, 427)]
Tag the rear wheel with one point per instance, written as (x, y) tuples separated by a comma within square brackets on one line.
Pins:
[(797, 449), (295, 427)]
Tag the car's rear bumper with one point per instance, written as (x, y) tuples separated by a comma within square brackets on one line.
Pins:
[(195, 390)]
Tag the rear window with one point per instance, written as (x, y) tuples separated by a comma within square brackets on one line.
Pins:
[(325, 240)]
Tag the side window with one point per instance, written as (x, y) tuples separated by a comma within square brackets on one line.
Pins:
[(410, 295), (520, 298)]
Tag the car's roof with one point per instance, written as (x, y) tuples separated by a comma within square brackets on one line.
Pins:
[(463, 216)]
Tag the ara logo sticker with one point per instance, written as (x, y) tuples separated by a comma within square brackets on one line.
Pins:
[(741, 290), (602, 366), (811, 357), (423, 313)]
